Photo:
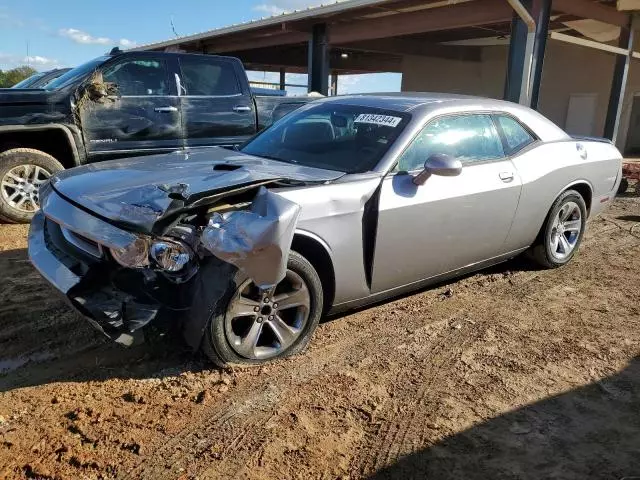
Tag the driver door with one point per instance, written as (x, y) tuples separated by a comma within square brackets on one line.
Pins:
[(449, 222), (143, 118)]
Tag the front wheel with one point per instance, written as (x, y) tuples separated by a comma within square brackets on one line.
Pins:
[(255, 326), (562, 232), (22, 171)]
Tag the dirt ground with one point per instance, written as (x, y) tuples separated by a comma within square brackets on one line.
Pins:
[(510, 373)]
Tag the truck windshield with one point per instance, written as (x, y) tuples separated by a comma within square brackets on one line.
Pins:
[(334, 136), (27, 82), (76, 74)]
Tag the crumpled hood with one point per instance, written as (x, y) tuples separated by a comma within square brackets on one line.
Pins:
[(139, 191)]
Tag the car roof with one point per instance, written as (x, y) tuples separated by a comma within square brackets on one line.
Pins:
[(412, 101), (420, 104)]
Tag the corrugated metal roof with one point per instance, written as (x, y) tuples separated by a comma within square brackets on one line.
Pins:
[(317, 11)]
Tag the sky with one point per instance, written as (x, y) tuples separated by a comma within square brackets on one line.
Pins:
[(46, 34)]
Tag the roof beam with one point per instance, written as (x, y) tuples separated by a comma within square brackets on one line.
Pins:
[(583, 42), (482, 12), (592, 10), (288, 38), (402, 46), (370, 63)]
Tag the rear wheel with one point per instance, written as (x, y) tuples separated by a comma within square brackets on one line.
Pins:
[(22, 171), (255, 326), (562, 233)]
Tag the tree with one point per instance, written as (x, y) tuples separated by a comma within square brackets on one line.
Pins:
[(9, 78)]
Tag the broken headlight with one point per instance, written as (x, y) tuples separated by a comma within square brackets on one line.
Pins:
[(135, 255), (170, 256)]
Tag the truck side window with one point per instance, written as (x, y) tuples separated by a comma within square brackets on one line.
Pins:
[(138, 77), (208, 77)]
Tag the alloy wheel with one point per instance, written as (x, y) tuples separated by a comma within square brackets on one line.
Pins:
[(261, 324), (565, 230), (19, 187)]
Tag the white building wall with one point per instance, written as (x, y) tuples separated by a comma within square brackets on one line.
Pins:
[(568, 69)]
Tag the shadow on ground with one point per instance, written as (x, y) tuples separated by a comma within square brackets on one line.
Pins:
[(629, 218), (590, 432), (518, 264), (631, 192)]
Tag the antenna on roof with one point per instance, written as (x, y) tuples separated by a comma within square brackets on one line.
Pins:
[(173, 27), (115, 51)]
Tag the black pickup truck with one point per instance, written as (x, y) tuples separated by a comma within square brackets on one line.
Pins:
[(121, 105)]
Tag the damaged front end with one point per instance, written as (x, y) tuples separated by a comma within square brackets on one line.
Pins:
[(125, 280), (257, 240)]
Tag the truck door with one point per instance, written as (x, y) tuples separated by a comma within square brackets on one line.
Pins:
[(143, 118), (217, 106)]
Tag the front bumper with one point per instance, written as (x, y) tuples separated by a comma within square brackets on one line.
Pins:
[(48, 264), (76, 265)]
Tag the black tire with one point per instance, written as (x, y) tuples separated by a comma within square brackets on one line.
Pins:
[(624, 185), (540, 252), (215, 344), (11, 159)]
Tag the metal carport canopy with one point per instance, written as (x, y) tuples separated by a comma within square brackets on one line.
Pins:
[(319, 11)]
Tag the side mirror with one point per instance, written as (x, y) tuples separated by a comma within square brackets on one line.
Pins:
[(439, 164)]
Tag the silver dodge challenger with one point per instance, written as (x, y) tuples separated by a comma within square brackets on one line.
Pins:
[(345, 202)]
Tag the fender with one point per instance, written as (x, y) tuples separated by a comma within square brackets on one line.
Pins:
[(566, 187), (313, 236), (73, 137), (581, 181)]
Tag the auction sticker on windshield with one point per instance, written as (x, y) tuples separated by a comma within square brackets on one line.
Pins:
[(386, 120)]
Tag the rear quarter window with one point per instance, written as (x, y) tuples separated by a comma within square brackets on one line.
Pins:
[(516, 136)]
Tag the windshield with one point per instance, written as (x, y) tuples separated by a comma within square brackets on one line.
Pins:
[(29, 81), (47, 81), (346, 138), (76, 74)]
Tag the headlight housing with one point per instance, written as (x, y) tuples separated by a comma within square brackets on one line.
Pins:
[(170, 256), (135, 255)]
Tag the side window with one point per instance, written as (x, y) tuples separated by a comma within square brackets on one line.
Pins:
[(138, 77), (470, 138), (515, 135), (208, 77)]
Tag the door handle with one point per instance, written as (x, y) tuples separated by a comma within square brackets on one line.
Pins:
[(506, 176), (165, 109), (241, 109)]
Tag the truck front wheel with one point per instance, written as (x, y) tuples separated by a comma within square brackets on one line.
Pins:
[(22, 171)]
